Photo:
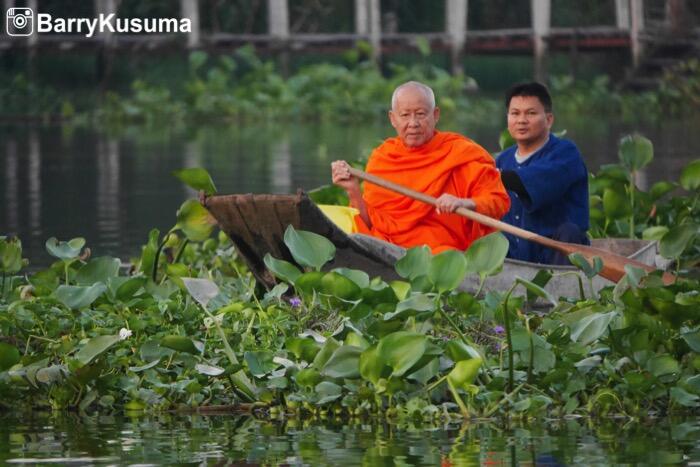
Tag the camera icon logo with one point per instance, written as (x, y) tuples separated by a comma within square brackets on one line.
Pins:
[(20, 22)]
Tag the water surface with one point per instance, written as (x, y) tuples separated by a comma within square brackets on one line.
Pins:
[(70, 439), (112, 188)]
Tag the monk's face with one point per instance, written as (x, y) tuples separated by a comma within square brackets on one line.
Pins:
[(528, 122), (412, 117)]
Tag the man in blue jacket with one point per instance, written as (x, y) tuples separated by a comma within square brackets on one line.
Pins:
[(545, 177)]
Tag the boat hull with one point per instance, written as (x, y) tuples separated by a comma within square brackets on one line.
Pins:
[(256, 225)]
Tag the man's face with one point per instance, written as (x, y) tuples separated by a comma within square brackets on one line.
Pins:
[(412, 117), (528, 122)]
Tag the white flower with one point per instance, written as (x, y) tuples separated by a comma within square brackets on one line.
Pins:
[(124, 333)]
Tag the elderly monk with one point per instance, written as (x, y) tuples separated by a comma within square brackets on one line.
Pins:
[(445, 165)]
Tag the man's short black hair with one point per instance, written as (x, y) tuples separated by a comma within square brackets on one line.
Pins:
[(532, 89)]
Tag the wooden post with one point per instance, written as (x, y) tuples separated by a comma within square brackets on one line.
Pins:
[(636, 28), (11, 188), (105, 52), (278, 28), (456, 24), (34, 180), (361, 17), (622, 14), (33, 40), (106, 7), (541, 13), (278, 19), (190, 9), (676, 15), (108, 181), (375, 29)]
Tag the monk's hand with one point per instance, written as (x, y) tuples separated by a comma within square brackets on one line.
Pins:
[(340, 171), (447, 203)]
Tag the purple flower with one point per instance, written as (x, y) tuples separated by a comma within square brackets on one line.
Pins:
[(499, 329), (295, 302)]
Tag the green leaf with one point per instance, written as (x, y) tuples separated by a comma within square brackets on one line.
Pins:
[(401, 350), (151, 350), (590, 270), (325, 353), (327, 392), (692, 338), (202, 290), (260, 363), (505, 140), (414, 263), (148, 253), (655, 232), (372, 367), (615, 204), (307, 248), (10, 255), (636, 152), (195, 221), (308, 377), (197, 179), (52, 374), (690, 176), (147, 366), (417, 303), (340, 286), (98, 270), (77, 297), (9, 355), (683, 397), (179, 343), (591, 327), (197, 59), (95, 347), (634, 275), (536, 290), (677, 240), (344, 363), (65, 250), (447, 270), (303, 348), (457, 350), (329, 194), (486, 255), (401, 289), (540, 280), (309, 282), (360, 278), (282, 269), (660, 189), (661, 365), (208, 370), (464, 372)]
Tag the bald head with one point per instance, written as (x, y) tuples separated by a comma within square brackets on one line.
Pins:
[(413, 113), (413, 87)]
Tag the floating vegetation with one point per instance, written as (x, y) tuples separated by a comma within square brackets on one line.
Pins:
[(185, 325)]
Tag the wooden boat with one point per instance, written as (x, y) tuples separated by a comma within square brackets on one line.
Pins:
[(256, 225)]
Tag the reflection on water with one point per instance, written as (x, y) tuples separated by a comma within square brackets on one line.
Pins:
[(223, 440), (68, 182)]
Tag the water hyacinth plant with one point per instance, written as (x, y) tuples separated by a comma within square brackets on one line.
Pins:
[(87, 334)]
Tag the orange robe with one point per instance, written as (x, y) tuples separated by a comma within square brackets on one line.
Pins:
[(448, 163)]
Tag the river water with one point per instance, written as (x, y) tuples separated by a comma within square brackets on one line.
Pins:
[(112, 188), (71, 439)]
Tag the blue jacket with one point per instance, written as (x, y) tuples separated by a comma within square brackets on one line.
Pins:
[(556, 179)]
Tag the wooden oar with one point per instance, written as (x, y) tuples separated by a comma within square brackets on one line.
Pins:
[(613, 264)]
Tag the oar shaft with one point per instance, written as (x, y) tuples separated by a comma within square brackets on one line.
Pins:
[(473, 215)]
